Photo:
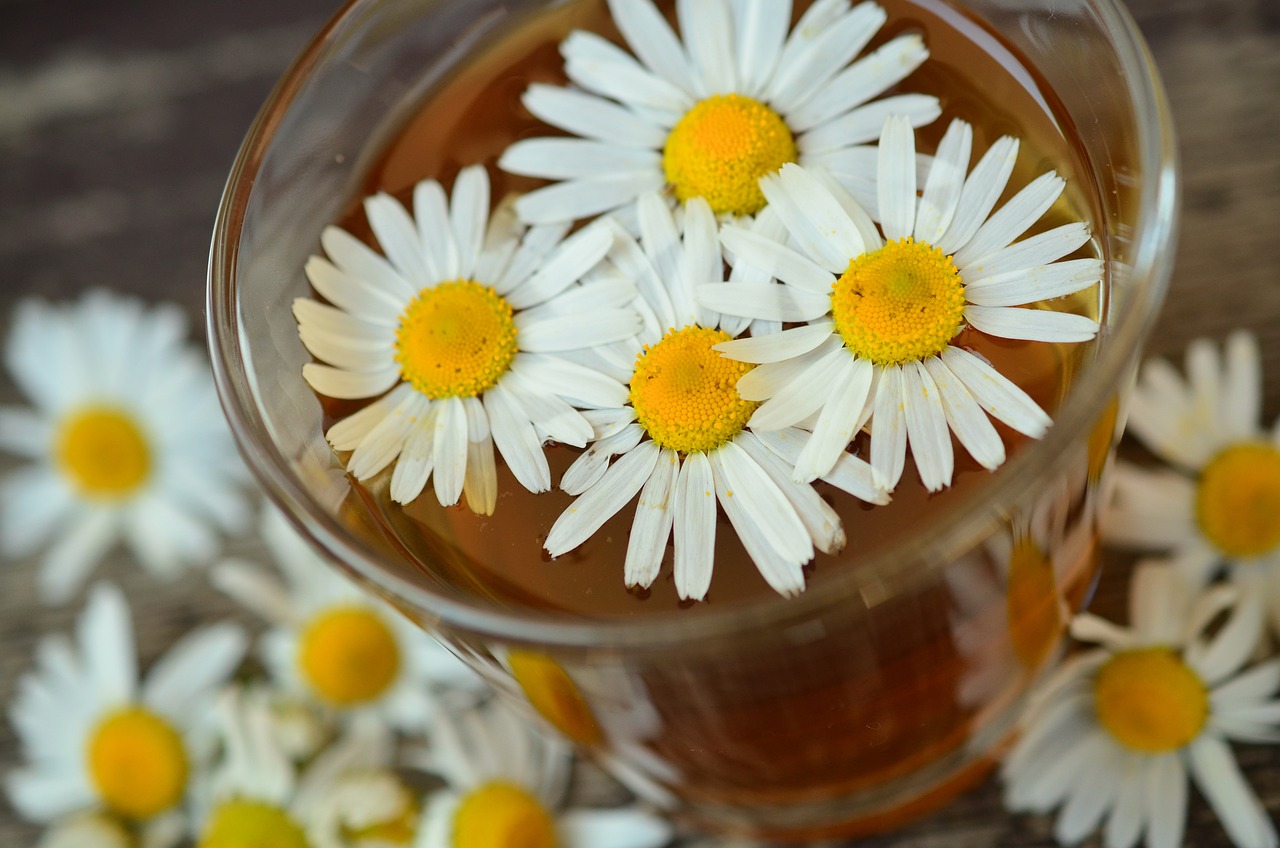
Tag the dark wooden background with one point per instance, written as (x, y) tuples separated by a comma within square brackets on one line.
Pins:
[(119, 120)]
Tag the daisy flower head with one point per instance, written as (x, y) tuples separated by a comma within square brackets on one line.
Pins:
[(884, 304), (505, 782), (681, 434), (335, 644), (708, 116), (1219, 502), (96, 737), (1113, 736), (459, 331), (125, 441)]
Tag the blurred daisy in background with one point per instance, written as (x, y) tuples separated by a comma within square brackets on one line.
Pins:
[(1219, 503), (96, 737), (739, 98), (462, 326), (682, 434), (505, 782), (886, 304), (125, 440), (1112, 737), (336, 644)]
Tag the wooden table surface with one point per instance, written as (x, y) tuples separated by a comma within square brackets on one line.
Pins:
[(119, 120)]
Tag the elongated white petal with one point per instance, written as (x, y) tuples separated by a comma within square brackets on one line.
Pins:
[(838, 420), (945, 180), (1013, 219), (450, 450), (896, 178), (651, 527), (764, 300), (776, 260), (603, 500), (516, 440), (1037, 325), (981, 190), (549, 414), (803, 396), (761, 30), (588, 116), (396, 234), (358, 260), (777, 347), (576, 199), (480, 485), (850, 474), (573, 332), (350, 385), (384, 441), (574, 382), (1044, 282), (594, 461), (603, 68), (352, 294), (998, 395), (806, 68), (1218, 776), (325, 319), (810, 237), (575, 158), (863, 124), (431, 214), (927, 427), (350, 431), (650, 37), (965, 417), (695, 527), (866, 78), (823, 212), (708, 30), (1040, 249), (573, 258), (822, 522), (889, 429)]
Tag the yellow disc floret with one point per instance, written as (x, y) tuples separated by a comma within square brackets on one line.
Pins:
[(554, 695), (721, 148), (349, 655), (1238, 500), (137, 762), (251, 824), (502, 815), (1150, 700), (685, 394), (901, 303), (104, 452), (455, 339)]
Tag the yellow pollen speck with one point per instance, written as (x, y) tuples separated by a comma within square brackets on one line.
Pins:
[(348, 655), (1238, 500), (455, 339), (251, 824), (137, 762), (685, 394), (554, 695), (103, 451), (721, 148), (900, 303), (1150, 701), (502, 815)]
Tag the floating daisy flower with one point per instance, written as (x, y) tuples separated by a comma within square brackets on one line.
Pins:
[(336, 644), (1114, 735), (126, 441), (682, 435), (347, 797), (504, 785), (708, 117), (885, 305), (95, 737), (1220, 503), (463, 332)]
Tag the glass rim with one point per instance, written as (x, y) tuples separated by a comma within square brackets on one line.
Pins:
[(1158, 199)]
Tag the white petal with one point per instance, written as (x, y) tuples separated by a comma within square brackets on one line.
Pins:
[(927, 427), (384, 441), (650, 37), (1029, 285), (839, 419), (350, 385), (576, 383), (573, 258), (326, 319), (864, 123), (619, 827), (822, 522), (1037, 325), (1231, 646), (602, 501), (889, 429), (966, 418), (776, 260), (449, 450), (981, 191), (1013, 219), (357, 260), (999, 396), (765, 381), (777, 347), (431, 214), (575, 199), (1218, 776), (870, 76), (353, 294), (481, 483), (516, 440), (851, 474), (819, 223), (1241, 388), (346, 354), (574, 332), (588, 116), (1166, 802), (549, 413), (588, 468), (416, 460), (708, 30), (700, 262), (695, 527), (348, 433), (801, 397), (66, 564), (575, 158), (604, 68), (806, 68), (764, 300), (1040, 249), (896, 179), (942, 187), (469, 216), (651, 526), (396, 234), (761, 30), (193, 668)]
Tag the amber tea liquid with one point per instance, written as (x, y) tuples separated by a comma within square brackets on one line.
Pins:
[(866, 702)]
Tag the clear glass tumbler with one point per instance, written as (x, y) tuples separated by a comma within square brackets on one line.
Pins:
[(838, 712)]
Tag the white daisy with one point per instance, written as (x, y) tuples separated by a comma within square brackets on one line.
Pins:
[(336, 644), (506, 780), (1113, 736), (708, 117), (682, 435), (464, 333), (349, 796), (95, 737), (885, 305), (126, 441), (1220, 503)]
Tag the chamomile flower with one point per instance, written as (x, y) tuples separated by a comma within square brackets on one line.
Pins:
[(1115, 733), (126, 441), (739, 98), (682, 434), (347, 797), (505, 781), (462, 326), (95, 737), (336, 644), (885, 305), (1220, 502)]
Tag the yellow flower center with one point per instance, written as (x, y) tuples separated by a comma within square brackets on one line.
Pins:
[(251, 824), (901, 303), (502, 815), (554, 695), (137, 762), (349, 655), (1238, 500), (456, 339), (685, 394), (1150, 701), (104, 452), (1031, 604), (721, 148)]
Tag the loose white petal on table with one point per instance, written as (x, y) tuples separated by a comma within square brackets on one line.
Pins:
[(863, 124), (359, 261), (575, 199), (651, 526), (777, 347), (896, 179), (998, 395), (1040, 249), (695, 527), (708, 31), (771, 257), (469, 216), (603, 500), (1043, 282), (943, 183), (439, 245), (839, 419), (982, 189), (397, 235), (517, 440), (761, 30), (965, 417), (650, 37), (589, 116)]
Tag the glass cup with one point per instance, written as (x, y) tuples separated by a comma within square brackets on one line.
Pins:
[(838, 712)]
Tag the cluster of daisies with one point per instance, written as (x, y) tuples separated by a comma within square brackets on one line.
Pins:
[(740, 262)]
